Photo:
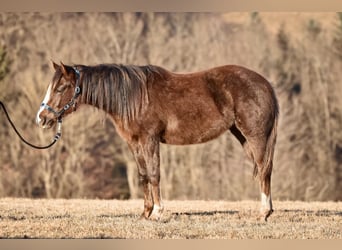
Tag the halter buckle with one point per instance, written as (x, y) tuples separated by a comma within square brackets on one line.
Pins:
[(66, 107), (77, 90)]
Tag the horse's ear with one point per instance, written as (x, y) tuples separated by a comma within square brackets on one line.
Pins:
[(66, 70), (55, 65)]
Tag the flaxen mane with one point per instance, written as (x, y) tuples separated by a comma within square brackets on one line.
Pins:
[(117, 89)]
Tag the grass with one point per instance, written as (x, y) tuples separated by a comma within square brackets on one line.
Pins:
[(27, 218)]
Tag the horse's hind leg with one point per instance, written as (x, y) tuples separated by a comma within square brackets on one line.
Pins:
[(266, 201), (255, 148), (263, 170), (242, 139)]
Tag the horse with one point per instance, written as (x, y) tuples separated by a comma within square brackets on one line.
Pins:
[(149, 105)]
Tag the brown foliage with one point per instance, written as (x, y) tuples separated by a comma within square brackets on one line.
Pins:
[(92, 161)]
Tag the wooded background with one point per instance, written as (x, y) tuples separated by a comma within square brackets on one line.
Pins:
[(299, 53)]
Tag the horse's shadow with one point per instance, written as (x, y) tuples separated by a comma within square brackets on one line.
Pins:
[(172, 215), (168, 215), (323, 212), (205, 213)]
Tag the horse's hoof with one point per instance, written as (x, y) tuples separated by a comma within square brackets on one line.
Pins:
[(155, 217), (144, 216), (264, 214), (157, 213)]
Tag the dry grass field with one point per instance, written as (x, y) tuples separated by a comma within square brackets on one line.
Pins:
[(77, 218), (299, 53)]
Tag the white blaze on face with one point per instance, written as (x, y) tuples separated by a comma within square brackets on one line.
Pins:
[(46, 99)]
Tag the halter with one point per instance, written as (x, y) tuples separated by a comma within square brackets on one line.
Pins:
[(67, 106)]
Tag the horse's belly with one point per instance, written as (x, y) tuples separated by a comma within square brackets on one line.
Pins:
[(193, 131)]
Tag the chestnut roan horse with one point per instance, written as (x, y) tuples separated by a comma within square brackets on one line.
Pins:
[(150, 105)]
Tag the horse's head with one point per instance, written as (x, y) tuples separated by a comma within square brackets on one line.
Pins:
[(61, 96)]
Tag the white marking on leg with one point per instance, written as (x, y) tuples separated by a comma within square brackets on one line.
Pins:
[(46, 99), (265, 202), (266, 206), (157, 212)]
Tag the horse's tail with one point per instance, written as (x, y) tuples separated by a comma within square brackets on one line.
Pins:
[(270, 146)]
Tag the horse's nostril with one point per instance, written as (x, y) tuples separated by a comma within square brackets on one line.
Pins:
[(50, 123), (43, 121)]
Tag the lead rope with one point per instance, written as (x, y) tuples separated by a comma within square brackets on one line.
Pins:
[(55, 139)]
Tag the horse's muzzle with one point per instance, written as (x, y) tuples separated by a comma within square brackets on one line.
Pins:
[(47, 123), (43, 120)]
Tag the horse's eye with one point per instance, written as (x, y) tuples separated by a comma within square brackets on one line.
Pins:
[(60, 89)]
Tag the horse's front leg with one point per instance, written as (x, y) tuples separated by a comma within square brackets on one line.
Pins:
[(151, 150), (148, 200), (158, 206), (138, 154)]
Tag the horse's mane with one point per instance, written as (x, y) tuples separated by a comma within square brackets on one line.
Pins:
[(117, 89)]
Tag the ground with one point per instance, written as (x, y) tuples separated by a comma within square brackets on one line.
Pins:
[(80, 218)]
